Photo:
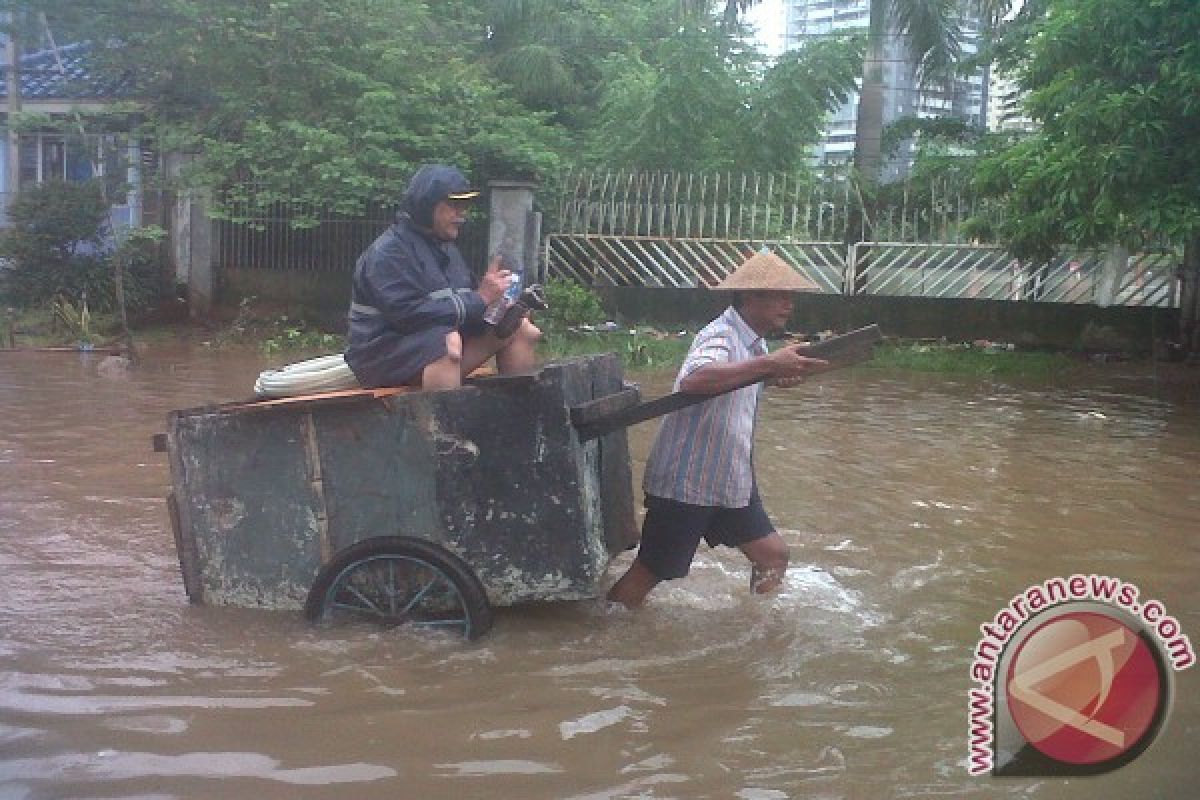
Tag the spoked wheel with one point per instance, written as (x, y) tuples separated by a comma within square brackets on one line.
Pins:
[(401, 581)]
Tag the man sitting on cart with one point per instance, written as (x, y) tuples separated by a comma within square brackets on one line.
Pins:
[(699, 478), (416, 313)]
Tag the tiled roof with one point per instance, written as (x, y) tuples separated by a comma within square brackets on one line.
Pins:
[(42, 78)]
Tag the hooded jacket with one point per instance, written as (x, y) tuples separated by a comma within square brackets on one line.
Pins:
[(410, 290)]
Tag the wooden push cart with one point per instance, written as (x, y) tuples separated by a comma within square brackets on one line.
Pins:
[(419, 507)]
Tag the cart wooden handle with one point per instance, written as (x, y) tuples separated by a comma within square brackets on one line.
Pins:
[(622, 409)]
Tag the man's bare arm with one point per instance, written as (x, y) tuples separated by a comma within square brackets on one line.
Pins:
[(786, 362)]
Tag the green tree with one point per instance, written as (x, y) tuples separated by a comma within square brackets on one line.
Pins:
[(943, 162), (1115, 86), (559, 55), (694, 105), (55, 248), (314, 102), (676, 108), (552, 52)]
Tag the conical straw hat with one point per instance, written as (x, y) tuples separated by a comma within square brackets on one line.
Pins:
[(766, 272)]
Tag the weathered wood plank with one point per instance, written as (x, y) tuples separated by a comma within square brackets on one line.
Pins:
[(588, 412)]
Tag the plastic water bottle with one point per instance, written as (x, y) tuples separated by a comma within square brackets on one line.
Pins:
[(495, 312)]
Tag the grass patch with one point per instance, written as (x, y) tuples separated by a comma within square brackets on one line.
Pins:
[(275, 333), (638, 347), (964, 359), (62, 325)]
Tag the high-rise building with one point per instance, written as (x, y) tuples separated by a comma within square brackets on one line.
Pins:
[(964, 97), (1005, 110)]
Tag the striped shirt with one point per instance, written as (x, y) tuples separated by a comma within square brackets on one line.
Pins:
[(702, 454)]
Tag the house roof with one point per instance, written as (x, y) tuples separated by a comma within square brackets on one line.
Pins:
[(65, 76)]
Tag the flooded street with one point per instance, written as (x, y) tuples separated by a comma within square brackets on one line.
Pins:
[(915, 507)]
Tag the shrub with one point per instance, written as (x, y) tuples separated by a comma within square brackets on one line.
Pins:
[(571, 304), (56, 247), (978, 229), (54, 242), (141, 250)]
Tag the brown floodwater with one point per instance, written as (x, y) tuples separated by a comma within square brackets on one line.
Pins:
[(915, 507)]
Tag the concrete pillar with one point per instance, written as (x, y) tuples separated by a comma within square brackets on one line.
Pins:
[(1189, 302), (191, 240), (515, 227), (1116, 262)]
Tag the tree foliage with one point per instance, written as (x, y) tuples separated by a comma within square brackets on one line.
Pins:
[(1115, 86), (553, 52), (674, 107), (689, 106), (332, 104), (787, 111), (316, 102), (945, 162)]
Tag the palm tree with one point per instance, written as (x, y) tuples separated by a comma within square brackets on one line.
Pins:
[(933, 41), (932, 37)]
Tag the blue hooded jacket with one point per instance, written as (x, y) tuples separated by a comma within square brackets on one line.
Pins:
[(410, 290)]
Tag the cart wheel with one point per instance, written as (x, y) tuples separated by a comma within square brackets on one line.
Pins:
[(397, 580)]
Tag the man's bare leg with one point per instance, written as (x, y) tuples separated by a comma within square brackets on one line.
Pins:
[(520, 350), (631, 590), (515, 354), (447, 371), (769, 557)]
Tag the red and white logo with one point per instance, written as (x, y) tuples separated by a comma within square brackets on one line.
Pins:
[(1085, 689)]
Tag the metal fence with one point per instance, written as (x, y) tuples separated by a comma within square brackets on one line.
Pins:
[(820, 206), (922, 270), (597, 260), (898, 269), (683, 230), (686, 230), (270, 241)]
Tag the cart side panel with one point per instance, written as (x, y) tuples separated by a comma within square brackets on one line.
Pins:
[(510, 490), (253, 516), (378, 472), (607, 483), (615, 471), (578, 386)]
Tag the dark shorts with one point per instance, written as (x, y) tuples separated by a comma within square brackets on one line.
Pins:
[(672, 531), (394, 359)]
